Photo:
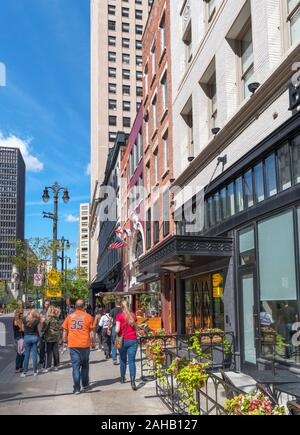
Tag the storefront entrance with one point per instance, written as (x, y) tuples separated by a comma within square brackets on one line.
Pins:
[(204, 308)]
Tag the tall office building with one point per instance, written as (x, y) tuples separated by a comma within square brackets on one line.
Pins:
[(12, 206), (116, 83), (83, 248)]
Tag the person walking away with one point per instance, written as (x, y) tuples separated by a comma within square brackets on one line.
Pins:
[(106, 339), (43, 344), (126, 327), (18, 327), (112, 330), (98, 328), (79, 335), (31, 337), (51, 329)]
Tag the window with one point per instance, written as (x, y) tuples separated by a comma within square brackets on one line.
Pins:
[(111, 25), (126, 106), (140, 144), (125, 43), (138, 45), (153, 60), (135, 156), (259, 191), (112, 56), (112, 72), (187, 115), (271, 182), (164, 85), (163, 33), (112, 41), (125, 27), (216, 207), (126, 122), (148, 177), (131, 164), (112, 120), (284, 168), (230, 199), (239, 192), (112, 88), (211, 9), (156, 222), (213, 103), (155, 160), (294, 20), (138, 29), (148, 229), (166, 151), (296, 159), (126, 74), (138, 14), (224, 203), (126, 58), (248, 181), (247, 246), (112, 104), (125, 12), (166, 212), (139, 60), (139, 75), (111, 9), (139, 91), (112, 136), (126, 90), (154, 114), (247, 60)]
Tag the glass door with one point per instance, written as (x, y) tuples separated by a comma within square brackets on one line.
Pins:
[(249, 318)]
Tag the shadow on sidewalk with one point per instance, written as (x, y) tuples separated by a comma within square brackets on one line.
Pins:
[(42, 397)]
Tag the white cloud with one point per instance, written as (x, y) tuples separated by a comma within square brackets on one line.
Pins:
[(71, 218), (33, 164), (88, 170)]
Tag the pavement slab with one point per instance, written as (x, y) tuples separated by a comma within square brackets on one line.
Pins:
[(51, 393)]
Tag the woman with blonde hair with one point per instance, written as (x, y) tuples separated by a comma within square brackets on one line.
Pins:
[(127, 342), (18, 327), (52, 332), (31, 338)]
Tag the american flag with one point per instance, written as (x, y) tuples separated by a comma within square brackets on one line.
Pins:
[(117, 244), (122, 232)]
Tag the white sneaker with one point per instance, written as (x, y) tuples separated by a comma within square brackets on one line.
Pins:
[(23, 375), (35, 373), (45, 370), (55, 369)]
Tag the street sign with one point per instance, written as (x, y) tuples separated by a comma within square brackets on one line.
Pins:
[(54, 277), (53, 293), (38, 279)]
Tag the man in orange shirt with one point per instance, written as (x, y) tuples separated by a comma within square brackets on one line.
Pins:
[(79, 335)]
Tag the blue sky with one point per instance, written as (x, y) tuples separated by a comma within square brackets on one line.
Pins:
[(44, 108)]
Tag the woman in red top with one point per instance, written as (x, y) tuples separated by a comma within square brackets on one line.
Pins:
[(126, 326)]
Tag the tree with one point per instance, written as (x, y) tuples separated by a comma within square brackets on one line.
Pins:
[(76, 285)]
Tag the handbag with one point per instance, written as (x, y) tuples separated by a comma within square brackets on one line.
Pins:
[(120, 339)]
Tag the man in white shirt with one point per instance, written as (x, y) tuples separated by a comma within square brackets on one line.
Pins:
[(106, 339)]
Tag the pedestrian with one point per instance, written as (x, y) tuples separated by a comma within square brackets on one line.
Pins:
[(79, 335), (43, 344), (106, 339), (51, 329), (98, 328), (32, 330), (89, 310), (126, 327), (112, 330), (18, 327)]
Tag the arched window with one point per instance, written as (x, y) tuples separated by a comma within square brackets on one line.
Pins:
[(139, 249)]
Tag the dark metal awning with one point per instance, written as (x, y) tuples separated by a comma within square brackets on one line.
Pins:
[(179, 253)]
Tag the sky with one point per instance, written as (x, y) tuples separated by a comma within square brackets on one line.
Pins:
[(45, 107)]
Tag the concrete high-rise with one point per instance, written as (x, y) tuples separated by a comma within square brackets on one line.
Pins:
[(116, 84), (12, 206), (83, 247)]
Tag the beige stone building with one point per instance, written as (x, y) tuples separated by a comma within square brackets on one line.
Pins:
[(83, 245), (116, 84)]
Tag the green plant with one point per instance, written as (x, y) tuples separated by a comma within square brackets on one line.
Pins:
[(196, 347), (190, 377), (252, 404), (157, 358), (144, 302)]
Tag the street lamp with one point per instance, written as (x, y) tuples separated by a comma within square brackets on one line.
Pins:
[(56, 188), (65, 244)]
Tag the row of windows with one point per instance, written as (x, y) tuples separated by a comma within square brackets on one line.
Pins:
[(126, 89), (276, 173), (112, 57), (112, 120), (112, 72), (112, 42), (125, 27), (155, 224), (125, 12)]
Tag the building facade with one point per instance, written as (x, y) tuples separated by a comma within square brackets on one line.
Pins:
[(12, 206), (236, 129), (116, 83), (83, 245)]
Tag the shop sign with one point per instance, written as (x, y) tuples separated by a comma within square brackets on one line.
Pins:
[(218, 289)]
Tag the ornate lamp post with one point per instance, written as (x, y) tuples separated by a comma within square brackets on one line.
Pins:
[(56, 189)]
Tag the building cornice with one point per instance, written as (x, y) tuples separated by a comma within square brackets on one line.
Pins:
[(276, 84)]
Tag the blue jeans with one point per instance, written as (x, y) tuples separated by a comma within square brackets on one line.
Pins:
[(114, 351), (31, 342), (80, 359), (129, 348)]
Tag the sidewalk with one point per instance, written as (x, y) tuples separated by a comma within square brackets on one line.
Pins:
[(51, 393)]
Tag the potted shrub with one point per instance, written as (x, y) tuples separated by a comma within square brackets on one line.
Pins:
[(252, 404)]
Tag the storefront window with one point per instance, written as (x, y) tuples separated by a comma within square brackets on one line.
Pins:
[(259, 183), (278, 293), (188, 307), (271, 184), (217, 207), (284, 168), (223, 201), (247, 246), (248, 189)]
